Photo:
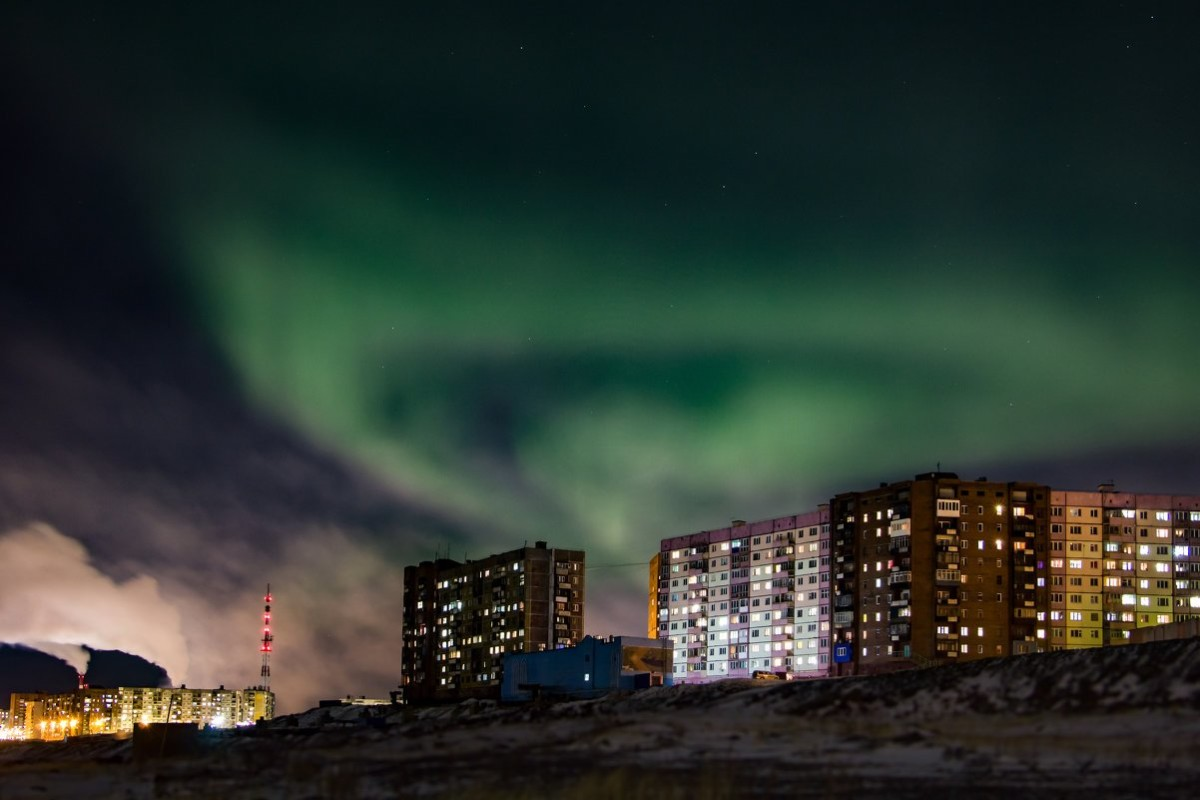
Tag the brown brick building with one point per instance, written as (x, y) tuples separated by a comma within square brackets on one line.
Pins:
[(461, 618), (937, 569)]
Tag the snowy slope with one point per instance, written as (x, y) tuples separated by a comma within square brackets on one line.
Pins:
[(1100, 723)]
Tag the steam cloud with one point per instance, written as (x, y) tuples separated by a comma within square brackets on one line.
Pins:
[(55, 600)]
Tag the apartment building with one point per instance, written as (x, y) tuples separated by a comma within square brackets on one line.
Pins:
[(99, 710), (749, 598), (1119, 562), (931, 570), (460, 618), (937, 569), (652, 590)]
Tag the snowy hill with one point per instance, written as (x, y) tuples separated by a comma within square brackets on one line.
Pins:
[(1098, 723)]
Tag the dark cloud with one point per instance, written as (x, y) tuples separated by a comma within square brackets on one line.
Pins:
[(125, 431)]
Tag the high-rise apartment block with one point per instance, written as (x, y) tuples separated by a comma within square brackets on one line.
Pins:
[(938, 569), (931, 570), (461, 618), (749, 598), (1119, 562)]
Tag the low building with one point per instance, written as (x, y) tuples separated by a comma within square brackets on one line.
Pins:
[(361, 700), (1184, 629), (592, 668), (99, 710)]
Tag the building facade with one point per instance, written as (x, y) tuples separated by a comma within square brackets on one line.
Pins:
[(931, 570), (98, 710), (1121, 562), (937, 570), (460, 619), (592, 668), (746, 599)]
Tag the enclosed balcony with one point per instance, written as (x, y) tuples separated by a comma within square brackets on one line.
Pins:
[(901, 578), (946, 577), (948, 508)]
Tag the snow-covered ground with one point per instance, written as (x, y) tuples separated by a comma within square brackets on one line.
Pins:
[(1102, 723)]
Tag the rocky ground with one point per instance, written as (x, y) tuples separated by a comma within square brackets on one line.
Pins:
[(1105, 723)]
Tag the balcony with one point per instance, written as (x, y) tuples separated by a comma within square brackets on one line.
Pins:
[(946, 577), (844, 601), (843, 618), (946, 613), (899, 630), (900, 544), (900, 578), (948, 508)]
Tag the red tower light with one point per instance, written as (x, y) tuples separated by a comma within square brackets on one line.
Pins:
[(267, 639)]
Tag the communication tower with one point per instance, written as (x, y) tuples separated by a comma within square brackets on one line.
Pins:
[(267, 639)]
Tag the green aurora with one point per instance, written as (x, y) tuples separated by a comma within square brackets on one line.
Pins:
[(601, 301)]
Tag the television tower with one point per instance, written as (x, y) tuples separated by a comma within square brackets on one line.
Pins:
[(267, 638)]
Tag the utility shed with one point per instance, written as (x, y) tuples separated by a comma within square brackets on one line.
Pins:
[(589, 669)]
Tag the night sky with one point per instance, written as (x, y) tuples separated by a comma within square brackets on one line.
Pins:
[(303, 295)]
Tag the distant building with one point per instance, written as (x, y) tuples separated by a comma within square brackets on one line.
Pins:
[(750, 598), (350, 700), (592, 668), (89, 711), (460, 619)]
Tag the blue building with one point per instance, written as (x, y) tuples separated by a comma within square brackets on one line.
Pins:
[(591, 668)]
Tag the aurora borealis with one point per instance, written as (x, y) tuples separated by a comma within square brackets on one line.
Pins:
[(468, 277)]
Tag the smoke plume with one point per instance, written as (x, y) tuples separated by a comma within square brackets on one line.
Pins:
[(55, 600)]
